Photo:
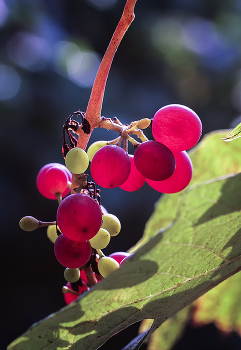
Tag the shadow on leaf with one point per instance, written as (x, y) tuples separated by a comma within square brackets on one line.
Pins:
[(228, 201)]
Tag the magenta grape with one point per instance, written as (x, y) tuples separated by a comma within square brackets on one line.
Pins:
[(177, 126), (79, 217), (110, 166), (70, 253), (179, 179), (154, 160)]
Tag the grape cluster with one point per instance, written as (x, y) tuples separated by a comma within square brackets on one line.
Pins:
[(163, 163), (83, 227)]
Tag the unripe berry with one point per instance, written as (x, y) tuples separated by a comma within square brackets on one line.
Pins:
[(29, 223), (71, 275), (107, 265), (143, 123), (111, 223)]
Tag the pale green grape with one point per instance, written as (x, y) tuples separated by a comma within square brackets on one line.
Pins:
[(52, 233), (94, 148), (111, 223), (100, 240), (29, 223), (107, 265), (76, 160), (71, 275)]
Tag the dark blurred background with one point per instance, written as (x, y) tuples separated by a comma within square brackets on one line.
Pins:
[(185, 52)]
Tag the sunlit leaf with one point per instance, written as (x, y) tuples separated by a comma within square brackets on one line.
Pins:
[(234, 134), (211, 158), (179, 264)]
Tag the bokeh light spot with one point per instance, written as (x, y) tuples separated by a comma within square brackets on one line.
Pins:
[(28, 51), (9, 82), (102, 4), (3, 13), (79, 66)]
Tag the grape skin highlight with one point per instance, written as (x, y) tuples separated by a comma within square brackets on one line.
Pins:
[(110, 166), (79, 217), (176, 126)]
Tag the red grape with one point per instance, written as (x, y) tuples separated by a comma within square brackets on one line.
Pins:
[(84, 278), (110, 166), (40, 181), (70, 253), (69, 298), (135, 180), (119, 256), (56, 180), (176, 126), (154, 160), (125, 259), (79, 217), (179, 179)]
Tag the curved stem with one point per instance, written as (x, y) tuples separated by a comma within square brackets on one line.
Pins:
[(93, 111)]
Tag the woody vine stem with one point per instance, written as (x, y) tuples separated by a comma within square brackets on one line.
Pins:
[(93, 112)]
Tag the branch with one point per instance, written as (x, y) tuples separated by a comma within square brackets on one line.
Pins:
[(93, 111)]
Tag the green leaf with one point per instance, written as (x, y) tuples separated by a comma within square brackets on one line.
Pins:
[(221, 305), (211, 158), (201, 249), (169, 332), (234, 134)]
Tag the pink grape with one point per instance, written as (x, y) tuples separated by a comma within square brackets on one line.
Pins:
[(40, 181), (110, 166), (84, 278), (70, 253), (56, 180), (79, 217), (179, 179), (125, 259), (69, 298), (154, 160), (135, 180), (176, 126), (119, 256)]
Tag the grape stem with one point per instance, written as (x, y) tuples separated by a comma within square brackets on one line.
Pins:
[(94, 107), (93, 112), (100, 253), (42, 223), (68, 290), (59, 197), (90, 276)]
